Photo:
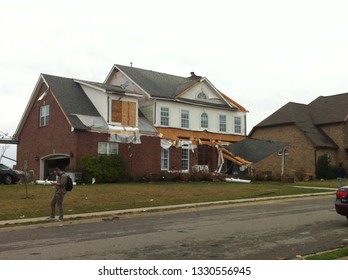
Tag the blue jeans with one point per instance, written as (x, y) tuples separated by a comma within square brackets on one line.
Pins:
[(340, 182)]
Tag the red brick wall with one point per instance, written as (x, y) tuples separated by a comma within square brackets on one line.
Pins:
[(36, 142), (142, 160)]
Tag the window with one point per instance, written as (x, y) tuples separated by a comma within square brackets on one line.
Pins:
[(185, 157), (222, 123), (237, 125), (164, 159), (185, 120), (204, 120), (124, 112), (107, 148), (44, 115), (165, 116)]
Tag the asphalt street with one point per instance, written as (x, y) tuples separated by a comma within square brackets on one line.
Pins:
[(266, 230)]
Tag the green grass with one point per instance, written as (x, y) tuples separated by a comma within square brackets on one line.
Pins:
[(95, 198), (332, 255)]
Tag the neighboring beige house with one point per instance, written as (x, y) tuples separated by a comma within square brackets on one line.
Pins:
[(311, 131)]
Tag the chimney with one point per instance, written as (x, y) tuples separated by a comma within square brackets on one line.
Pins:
[(194, 76)]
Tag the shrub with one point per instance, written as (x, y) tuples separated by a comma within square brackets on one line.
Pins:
[(104, 168), (324, 169)]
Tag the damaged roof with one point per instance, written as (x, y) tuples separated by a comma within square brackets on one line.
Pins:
[(163, 85), (157, 84), (255, 150)]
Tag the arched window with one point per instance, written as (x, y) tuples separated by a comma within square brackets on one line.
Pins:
[(204, 120), (202, 95)]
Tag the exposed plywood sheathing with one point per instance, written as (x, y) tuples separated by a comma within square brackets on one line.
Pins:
[(231, 157), (124, 112), (198, 137)]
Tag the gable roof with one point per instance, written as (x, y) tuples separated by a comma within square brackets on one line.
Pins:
[(305, 118), (157, 84), (162, 85), (329, 109), (72, 99), (75, 104), (255, 150)]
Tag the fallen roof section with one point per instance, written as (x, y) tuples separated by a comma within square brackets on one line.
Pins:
[(255, 150)]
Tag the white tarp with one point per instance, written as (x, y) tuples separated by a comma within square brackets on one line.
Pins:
[(93, 121), (166, 144)]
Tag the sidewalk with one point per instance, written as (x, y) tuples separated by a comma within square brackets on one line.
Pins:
[(116, 213)]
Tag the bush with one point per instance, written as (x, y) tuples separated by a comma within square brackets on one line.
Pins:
[(104, 168), (324, 169)]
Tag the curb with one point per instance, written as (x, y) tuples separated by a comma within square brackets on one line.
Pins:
[(158, 208)]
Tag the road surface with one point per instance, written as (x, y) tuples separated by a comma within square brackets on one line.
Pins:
[(278, 229)]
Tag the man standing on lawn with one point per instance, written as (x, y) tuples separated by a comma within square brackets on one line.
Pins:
[(58, 197)]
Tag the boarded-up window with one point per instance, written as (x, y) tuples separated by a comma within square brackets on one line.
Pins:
[(124, 112)]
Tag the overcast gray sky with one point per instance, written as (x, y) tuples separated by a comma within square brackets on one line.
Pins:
[(262, 54)]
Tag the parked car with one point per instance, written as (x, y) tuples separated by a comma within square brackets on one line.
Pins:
[(8, 175), (341, 203)]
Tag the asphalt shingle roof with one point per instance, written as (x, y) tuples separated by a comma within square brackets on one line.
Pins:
[(329, 109), (308, 118), (71, 98), (255, 150), (157, 84)]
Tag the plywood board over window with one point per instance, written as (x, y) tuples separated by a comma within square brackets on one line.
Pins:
[(124, 112)]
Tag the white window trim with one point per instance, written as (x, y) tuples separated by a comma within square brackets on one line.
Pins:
[(108, 148), (163, 158), (219, 122), (200, 120), (160, 116), (44, 115), (240, 124), (187, 148), (188, 118)]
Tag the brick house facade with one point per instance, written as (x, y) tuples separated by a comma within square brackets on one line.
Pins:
[(67, 118), (311, 130)]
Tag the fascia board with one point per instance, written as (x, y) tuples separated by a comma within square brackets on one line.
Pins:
[(30, 104), (118, 69)]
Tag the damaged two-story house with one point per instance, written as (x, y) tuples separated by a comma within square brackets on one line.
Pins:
[(155, 121)]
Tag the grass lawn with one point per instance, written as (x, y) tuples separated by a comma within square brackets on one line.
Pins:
[(94, 198), (331, 255)]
